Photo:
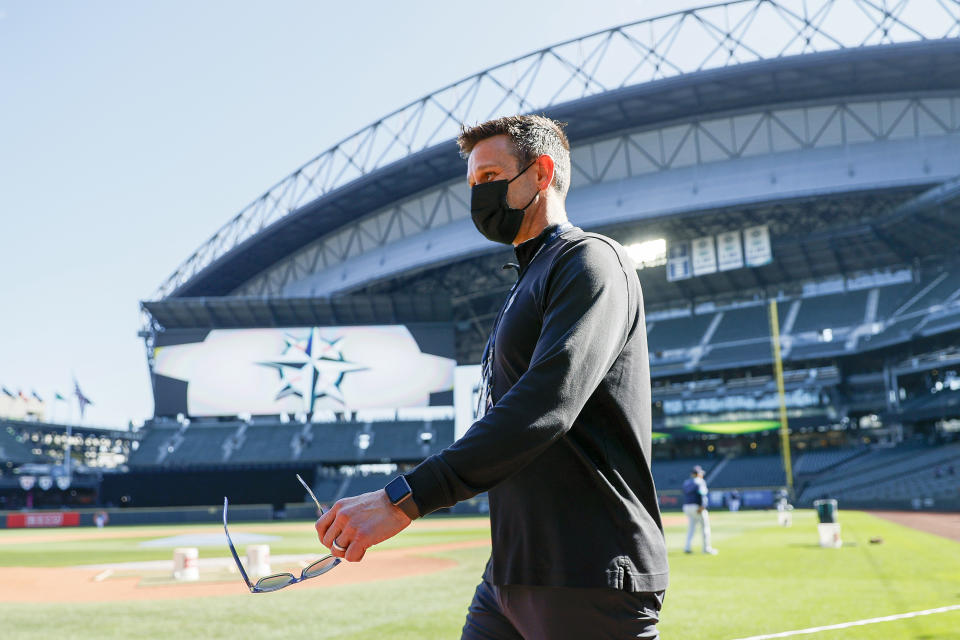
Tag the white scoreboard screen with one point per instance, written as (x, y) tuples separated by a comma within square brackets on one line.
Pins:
[(226, 372)]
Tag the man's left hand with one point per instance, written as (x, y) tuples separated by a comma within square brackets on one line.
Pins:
[(360, 522)]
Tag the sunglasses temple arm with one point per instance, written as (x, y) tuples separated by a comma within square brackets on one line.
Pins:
[(232, 548), (310, 491)]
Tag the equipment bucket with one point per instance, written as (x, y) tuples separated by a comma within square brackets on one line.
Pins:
[(826, 510), (185, 564), (829, 533), (258, 559)]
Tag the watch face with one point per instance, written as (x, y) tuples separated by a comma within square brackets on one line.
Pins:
[(397, 489)]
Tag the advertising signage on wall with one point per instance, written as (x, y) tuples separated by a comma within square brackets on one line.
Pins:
[(797, 398), (302, 370), (724, 252), (729, 251), (678, 262), (757, 246), (43, 519), (704, 256)]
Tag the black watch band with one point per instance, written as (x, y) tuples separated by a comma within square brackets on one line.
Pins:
[(401, 495)]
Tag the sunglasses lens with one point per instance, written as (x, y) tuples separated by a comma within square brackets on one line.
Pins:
[(320, 566), (276, 581)]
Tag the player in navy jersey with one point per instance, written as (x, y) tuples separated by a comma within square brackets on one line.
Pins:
[(695, 507)]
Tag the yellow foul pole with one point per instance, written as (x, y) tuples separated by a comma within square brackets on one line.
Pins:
[(778, 370)]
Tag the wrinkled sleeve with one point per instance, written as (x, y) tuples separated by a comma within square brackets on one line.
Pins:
[(585, 324)]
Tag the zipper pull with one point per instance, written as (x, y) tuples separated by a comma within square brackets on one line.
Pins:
[(511, 265)]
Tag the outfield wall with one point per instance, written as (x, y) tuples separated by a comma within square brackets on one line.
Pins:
[(67, 518), (72, 518)]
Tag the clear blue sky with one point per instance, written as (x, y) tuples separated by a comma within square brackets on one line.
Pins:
[(131, 131)]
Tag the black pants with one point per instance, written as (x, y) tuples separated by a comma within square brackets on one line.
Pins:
[(515, 612)]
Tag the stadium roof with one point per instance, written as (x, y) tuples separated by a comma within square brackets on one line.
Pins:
[(812, 238), (234, 312), (721, 57)]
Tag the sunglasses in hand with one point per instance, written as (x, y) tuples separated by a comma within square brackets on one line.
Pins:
[(277, 581)]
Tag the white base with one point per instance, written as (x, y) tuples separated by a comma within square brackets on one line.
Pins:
[(830, 535), (258, 560), (185, 564)]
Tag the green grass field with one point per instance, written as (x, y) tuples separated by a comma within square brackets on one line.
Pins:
[(766, 580)]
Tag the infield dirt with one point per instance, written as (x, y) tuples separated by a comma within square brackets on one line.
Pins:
[(945, 525), (75, 584)]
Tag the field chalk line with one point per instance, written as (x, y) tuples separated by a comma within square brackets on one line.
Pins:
[(855, 623)]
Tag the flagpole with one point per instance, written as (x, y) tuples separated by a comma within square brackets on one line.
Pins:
[(83, 401), (66, 461)]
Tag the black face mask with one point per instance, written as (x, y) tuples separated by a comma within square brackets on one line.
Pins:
[(491, 214)]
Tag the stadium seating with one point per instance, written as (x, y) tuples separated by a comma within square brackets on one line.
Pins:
[(820, 460), (670, 474), (831, 311), (941, 480), (864, 473), (269, 441), (813, 350), (152, 449), (867, 318), (329, 486), (722, 357), (940, 322), (678, 333), (332, 442), (893, 297), (936, 292), (363, 483), (749, 471), (396, 440), (201, 445), (15, 451), (932, 404), (742, 324)]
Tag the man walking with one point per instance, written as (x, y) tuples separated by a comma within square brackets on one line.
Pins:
[(563, 443), (695, 499)]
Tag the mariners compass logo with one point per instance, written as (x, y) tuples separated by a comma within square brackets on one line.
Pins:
[(312, 368)]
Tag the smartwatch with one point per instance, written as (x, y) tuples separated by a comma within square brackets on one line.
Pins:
[(400, 495)]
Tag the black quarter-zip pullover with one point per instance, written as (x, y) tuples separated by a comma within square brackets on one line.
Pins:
[(565, 449)]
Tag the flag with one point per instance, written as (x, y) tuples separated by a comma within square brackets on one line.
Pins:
[(36, 396), (59, 396), (22, 395), (8, 393), (83, 400)]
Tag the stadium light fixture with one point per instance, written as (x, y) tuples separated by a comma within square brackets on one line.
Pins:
[(649, 253), (364, 440)]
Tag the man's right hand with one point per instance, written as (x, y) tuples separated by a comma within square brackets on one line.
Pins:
[(360, 522)]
